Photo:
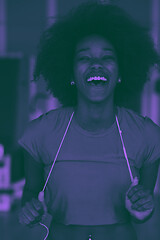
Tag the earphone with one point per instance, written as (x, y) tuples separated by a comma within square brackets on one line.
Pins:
[(41, 194), (124, 150)]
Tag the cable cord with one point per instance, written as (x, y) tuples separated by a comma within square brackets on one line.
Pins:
[(41, 194), (42, 224), (58, 151), (124, 150)]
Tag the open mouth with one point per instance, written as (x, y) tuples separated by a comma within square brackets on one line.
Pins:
[(97, 80)]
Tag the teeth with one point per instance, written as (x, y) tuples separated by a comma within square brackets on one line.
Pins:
[(96, 78)]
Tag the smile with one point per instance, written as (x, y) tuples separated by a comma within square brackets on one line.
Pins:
[(97, 80)]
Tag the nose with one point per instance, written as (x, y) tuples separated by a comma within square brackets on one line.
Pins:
[(96, 64)]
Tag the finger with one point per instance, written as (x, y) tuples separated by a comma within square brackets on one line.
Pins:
[(37, 204), (133, 190), (40, 204), (146, 206), (141, 202), (32, 209), (28, 214), (135, 181), (24, 220), (138, 195), (36, 221)]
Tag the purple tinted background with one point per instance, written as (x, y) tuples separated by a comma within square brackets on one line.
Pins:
[(21, 23)]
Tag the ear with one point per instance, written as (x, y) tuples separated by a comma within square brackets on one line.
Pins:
[(72, 81), (119, 79)]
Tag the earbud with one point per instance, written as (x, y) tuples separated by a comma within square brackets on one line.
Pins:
[(119, 80), (72, 83)]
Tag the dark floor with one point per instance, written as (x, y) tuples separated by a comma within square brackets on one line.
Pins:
[(10, 229)]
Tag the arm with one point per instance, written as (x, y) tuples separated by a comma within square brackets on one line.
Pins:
[(32, 209), (34, 178), (148, 176)]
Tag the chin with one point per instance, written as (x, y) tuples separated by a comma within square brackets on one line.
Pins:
[(98, 100)]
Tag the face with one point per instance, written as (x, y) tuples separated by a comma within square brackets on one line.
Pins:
[(95, 69)]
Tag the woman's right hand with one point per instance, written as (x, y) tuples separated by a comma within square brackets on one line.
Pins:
[(31, 213)]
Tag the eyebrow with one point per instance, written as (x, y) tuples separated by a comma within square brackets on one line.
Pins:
[(85, 49)]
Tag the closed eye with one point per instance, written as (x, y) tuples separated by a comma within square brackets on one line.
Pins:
[(84, 58), (108, 57)]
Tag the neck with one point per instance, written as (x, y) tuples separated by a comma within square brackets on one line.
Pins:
[(95, 117)]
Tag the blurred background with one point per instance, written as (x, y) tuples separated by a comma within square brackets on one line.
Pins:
[(21, 99)]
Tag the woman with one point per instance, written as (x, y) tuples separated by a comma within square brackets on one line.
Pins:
[(92, 59)]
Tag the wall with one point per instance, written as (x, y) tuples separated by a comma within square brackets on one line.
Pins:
[(25, 22)]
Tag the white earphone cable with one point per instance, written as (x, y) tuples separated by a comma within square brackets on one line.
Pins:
[(124, 149), (41, 194), (42, 224), (58, 151)]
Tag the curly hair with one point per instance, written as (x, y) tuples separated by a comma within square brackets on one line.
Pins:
[(133, 45)]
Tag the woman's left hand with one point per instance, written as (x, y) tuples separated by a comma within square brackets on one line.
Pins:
[(139, 202)]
